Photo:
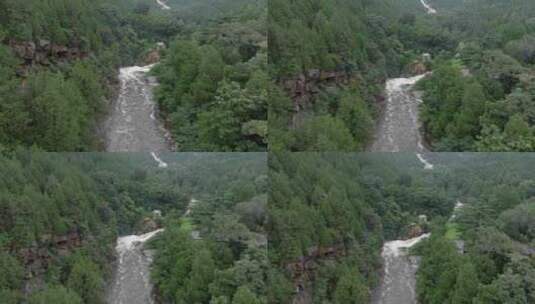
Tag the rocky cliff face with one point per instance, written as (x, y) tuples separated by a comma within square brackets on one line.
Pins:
[(43, 52), (37, 257), (304, 88), (303, 270), (155, 54)]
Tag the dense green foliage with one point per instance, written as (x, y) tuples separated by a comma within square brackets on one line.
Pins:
[(479, 97), (331, 212), (227, 263), (61, 213), (213, 81), (58, 62), (364, 42), (496, 225), (482, 101), (348, 204)]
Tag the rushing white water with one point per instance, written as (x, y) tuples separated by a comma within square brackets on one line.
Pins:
[(191, 204), (457, 207), (428, 7), (399, 279), (160, 162), (427, 165), (132, 126), (399, 129), (163, 5), (132, 278), (398, 285)]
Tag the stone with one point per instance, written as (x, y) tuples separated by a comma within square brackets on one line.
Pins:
[(426, 57), (152, 57), (43, 44), (417, 68), (414, 231), (23, 49)]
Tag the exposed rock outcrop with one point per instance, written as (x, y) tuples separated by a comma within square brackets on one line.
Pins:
[(302, 270), (417, 68), (149, 225), (43, 52), (304, 88), (154, 55), (415, 230), (37, 257)]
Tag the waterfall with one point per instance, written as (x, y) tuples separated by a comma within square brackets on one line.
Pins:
[(428, 7), (132, 278), (163, 5), (399, 129), (132, 125)]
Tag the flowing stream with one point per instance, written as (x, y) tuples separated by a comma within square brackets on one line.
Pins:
[(132, 278), (163, 5), (399, 129), (131, 284), (398, 285), (133, 126), (428, 7), (161, 163)]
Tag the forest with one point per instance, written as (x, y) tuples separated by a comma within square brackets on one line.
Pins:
[(330, 214), (61, 215), (59, 62), (213, 80), (480, 95), (329, 61), (496, 227)]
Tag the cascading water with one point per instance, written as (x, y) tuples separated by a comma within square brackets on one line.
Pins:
[(399, 129), (131, 284), (161, 163), (427, 165), (428, 7), (132, 278), (399, 279), (133, 126), (163, 5), (398, 285)]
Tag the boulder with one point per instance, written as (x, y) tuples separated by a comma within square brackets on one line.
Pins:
[(148, 225), (23, 49), (152, 57), (414, 231), (44, 44), (417, 68)]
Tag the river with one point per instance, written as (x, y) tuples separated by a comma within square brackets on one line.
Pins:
[(132, 277), (428, 7), (163, 5), (131, 282), (398, 284), (133, 125), (399, 127)]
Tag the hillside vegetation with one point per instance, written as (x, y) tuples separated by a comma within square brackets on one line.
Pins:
[(213, 81), (61, 215)]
